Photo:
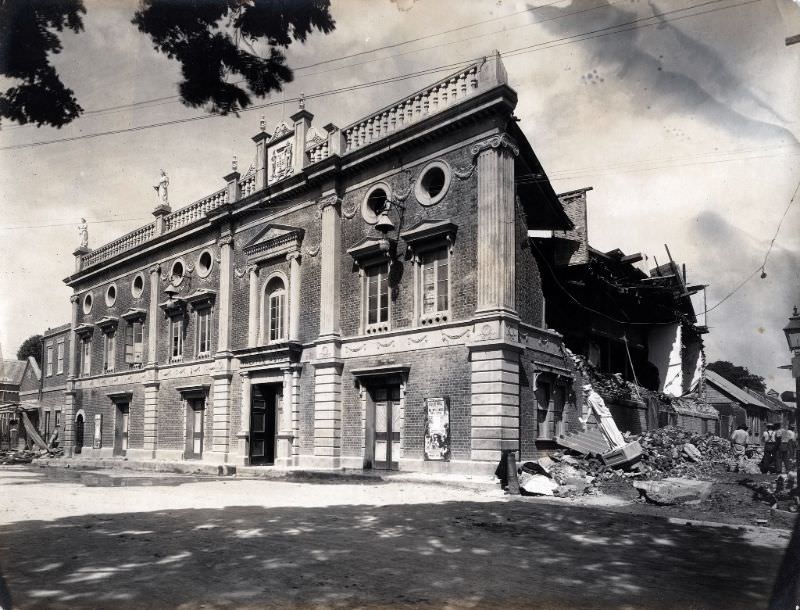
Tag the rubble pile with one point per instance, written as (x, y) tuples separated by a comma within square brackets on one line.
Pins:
[(674, 452), (26, 456), (613, 388), (783, 493)]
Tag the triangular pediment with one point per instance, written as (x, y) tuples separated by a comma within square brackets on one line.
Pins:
[(274, 240), (282, 129), (430, 229)]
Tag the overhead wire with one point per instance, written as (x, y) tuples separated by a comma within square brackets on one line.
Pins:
[(609, 30)]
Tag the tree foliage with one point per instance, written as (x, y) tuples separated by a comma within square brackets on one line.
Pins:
[(32, 346), (216, 42), (28, 36), (738, 375)]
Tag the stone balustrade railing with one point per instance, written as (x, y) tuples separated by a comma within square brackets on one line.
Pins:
[(318, 152), (119, 245), (247, 185), (195, 211), (415, 107)]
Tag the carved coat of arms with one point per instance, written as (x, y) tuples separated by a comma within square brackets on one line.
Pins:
[(280, 162)]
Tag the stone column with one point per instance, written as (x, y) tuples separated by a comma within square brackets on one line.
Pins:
[(496, 223), (328, 413), (294, 295), (69, 393), (253, 308), (223, 365), (295, 414), (244, 418)]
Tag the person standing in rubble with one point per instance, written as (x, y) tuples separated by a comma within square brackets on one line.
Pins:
[(770, 439), (739, 444), (787, 449), (598, 406)]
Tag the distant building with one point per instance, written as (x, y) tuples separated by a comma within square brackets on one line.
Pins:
[(736, 406)]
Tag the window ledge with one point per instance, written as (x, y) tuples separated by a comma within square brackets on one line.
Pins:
[(203, 356), (437, 317), (175, 359), (374, 329)]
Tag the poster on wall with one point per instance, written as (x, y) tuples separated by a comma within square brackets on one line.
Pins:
[(437, 429), (98, 430)]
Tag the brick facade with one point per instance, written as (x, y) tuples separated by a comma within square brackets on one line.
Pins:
[(302, 372)]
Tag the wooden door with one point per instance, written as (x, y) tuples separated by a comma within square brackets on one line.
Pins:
[(79, 428), (195, 411), (386, 444), (121, 429), (266, 400)]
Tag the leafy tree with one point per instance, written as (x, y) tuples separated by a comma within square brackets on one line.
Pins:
[(214, 41), (32, 346), (28, 35), (738, 375)]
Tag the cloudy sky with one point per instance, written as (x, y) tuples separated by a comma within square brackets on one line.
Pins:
[(684, 120)]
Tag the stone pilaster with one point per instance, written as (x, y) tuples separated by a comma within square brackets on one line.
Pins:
[(302, 122), (253, 308), (496, 222), (152, 317), (295, 414), (261, 139), (330, 266), (221, 416), (494, 351), (225, 290), (243, 436), (328, 413), (150, 443), (327, 364), (285, 432), (69, 394), (294, 295)]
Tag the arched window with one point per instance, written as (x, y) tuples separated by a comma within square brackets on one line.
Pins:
[(275, 310)]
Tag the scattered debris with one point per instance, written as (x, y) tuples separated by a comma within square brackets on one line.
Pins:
[(674, 491)]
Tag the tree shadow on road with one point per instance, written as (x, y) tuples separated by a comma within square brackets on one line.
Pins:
[(451, 554)]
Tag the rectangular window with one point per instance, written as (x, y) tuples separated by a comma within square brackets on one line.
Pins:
[(203, 332), (46, 425), (134, 344), (377, 294), (276, 305), (109, 352), (176, 339), (60, 358), (86, 359), (50, 360), (434, 282), (57, 420)]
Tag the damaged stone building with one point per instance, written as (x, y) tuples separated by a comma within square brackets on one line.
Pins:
[(623, 318), (361, 297)]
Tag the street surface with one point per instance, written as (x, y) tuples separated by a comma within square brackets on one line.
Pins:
[(134, 540)]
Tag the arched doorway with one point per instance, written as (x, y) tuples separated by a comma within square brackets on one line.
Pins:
[(79, 433)]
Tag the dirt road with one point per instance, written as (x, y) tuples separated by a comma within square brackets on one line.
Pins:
[(180, 542)]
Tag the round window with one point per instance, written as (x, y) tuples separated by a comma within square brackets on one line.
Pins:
[(433, 182), (111, 295), (176, 275), (375, 202), (88, 301), (204, 263), (137, 286)]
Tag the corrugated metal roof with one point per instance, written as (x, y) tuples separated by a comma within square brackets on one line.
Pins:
[(776, 404), (734, 391)]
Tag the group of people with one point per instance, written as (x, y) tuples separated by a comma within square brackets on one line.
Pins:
[(780, 447)]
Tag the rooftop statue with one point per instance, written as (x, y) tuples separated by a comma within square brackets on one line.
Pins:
[(83, 233), (161, 189)]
